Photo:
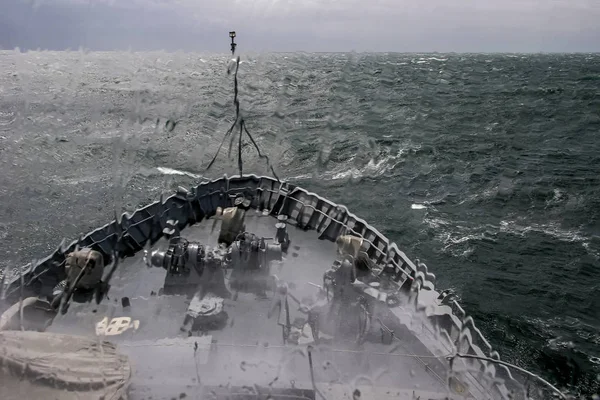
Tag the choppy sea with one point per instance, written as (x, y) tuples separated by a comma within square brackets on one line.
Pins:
[(484, 166)]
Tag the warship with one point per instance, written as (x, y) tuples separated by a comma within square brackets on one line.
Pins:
[(243, 287)]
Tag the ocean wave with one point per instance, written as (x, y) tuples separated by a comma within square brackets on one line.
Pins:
[(452, 233), (372, 169), (299, 177), (436, 223), (551, 229), (60, 180), (172, 171), (459, 246), (581, 334), (7, 118)]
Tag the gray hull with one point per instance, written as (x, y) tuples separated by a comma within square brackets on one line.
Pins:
[(405, 355)]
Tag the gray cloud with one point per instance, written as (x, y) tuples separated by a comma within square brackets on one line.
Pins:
[(311, 25)]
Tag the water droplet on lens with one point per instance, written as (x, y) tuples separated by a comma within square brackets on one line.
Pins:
[(170, 125)]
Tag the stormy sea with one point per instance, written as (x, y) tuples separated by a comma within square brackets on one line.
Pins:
[(484, 166)]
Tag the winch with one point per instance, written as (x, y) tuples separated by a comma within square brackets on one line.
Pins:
[(248, 252), (180, 257)]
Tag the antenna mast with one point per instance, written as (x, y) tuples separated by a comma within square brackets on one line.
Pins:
[(233, 44), (239, 122)]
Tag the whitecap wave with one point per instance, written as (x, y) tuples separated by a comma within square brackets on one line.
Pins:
[(436, 223), (73, 181), (454, 233), (456, 245), (550, 229), (373, 168), (299, 177), (171, 171), (354, 173)]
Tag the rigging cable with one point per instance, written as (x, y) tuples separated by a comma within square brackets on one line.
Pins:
[(509, 365), (450, 358), (239, 121)]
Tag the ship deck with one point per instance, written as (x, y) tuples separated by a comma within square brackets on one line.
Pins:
[(248, 353)]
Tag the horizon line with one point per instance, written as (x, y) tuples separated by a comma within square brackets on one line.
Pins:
[(225, 53)]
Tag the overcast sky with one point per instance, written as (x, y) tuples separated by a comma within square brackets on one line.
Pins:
[(309, 25)]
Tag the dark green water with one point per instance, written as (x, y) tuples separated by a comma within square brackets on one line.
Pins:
[(485, 167)]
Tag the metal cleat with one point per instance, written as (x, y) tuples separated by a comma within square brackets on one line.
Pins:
[(172, 231)]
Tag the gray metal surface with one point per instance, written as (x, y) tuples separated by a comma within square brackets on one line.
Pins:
[(248, 351)]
